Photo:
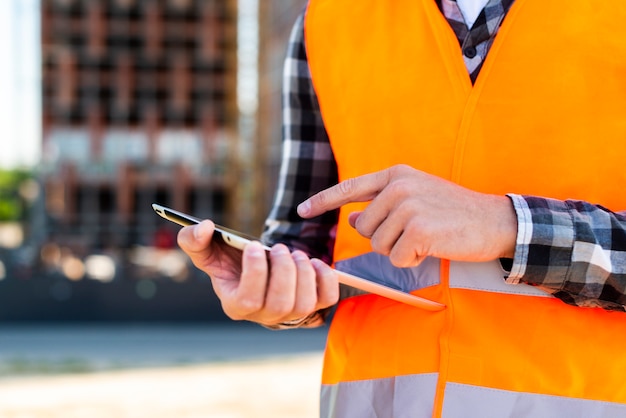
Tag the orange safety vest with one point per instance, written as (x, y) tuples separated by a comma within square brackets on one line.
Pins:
[(546, 116)]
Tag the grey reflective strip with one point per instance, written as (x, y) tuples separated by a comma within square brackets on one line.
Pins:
[(465, 401), (487, 276), (378, 268), (410, 396)]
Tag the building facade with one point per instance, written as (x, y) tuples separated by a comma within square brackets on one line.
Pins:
[(139, 107)]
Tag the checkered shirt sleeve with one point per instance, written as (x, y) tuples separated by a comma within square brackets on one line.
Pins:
[(572, 249), (308, 164)]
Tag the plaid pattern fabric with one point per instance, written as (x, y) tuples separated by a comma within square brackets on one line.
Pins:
[(308, 165), (574, 250), (475, 41)]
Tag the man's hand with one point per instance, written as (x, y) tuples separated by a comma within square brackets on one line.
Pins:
[(286, 287), (413, 214)]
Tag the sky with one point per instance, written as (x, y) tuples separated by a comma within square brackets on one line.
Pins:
[(20, 80)]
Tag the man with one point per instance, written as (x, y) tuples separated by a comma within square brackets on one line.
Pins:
[(439, 175)]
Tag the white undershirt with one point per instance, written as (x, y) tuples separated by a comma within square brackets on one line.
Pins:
[(471, 9)]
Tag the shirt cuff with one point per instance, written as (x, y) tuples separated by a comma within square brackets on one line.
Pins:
[(524, 235), (545, 239)]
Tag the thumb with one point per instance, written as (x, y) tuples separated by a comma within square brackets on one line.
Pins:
[(196, 238)]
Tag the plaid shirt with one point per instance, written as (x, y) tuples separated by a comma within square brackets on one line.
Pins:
[(574, 250)]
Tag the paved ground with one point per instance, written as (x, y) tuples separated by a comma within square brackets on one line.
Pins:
[(159, 371), (285, 387)]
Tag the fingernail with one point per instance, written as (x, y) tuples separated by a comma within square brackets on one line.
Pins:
[(299, 256), (280, 249), (317, 263), (255, 249), (197, 232), (304, 208)]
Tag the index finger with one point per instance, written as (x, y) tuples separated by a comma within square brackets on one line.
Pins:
[(357, 189)]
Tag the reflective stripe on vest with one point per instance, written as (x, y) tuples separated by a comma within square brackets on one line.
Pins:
[(379, 398), (487, 276), (492, 336), (401, 396), (465, 401), (545, 117)]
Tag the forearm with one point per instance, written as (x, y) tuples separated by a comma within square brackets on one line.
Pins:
[(574, 250)]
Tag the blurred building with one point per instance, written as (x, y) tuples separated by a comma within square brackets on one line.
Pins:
[(139, 106), (276, 19)]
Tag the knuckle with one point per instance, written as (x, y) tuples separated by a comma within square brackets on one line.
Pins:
[(254, 270), (401, 168), (408, 252), (393, 172), (328, 289), (302, 261), (418, 235), (304, 307), (409, 208), (328, 298), (278, 310), (363, 228), (413, 228), (379, 245), (320, 199), (347, 187), (399, 188), (398, 260), (249, 306), (282, 263)]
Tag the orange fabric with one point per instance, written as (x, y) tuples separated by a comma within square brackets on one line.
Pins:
[(546, 97), (545, 117), (356, 92), (540, 346), (365, 352)]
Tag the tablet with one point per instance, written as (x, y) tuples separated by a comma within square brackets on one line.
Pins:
[(239, 240)]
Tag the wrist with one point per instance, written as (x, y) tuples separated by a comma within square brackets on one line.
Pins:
[(506, 221)]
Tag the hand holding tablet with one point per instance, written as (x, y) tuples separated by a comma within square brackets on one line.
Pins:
[(239, 240)]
